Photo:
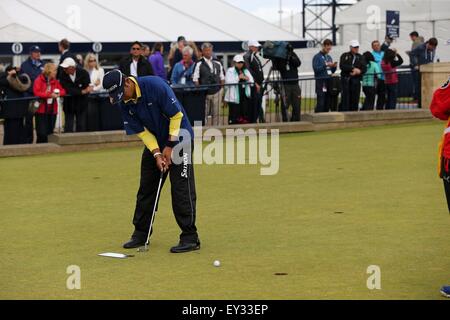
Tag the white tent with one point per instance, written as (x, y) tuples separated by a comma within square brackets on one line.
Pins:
[(366, 21), (121, 21)]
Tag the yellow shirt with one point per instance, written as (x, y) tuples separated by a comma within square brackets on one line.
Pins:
[(146, 136)]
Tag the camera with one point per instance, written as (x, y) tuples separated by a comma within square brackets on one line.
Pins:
[(273, 50)]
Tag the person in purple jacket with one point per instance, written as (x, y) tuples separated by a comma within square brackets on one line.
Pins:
[(157, 61)]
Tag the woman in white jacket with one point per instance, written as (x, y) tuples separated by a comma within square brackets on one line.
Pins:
[(96, 74), (238, 92)]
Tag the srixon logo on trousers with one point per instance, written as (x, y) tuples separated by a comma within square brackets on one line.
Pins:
[(184, 174)]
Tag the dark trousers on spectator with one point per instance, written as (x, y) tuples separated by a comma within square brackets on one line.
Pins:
[(183, 196), (369, 101), (78, 118), (194, 104), (259, 111), (234, 111), (14, 131), (93, 114), (351, 92), (381, 94), (323, 96), (45, 124), (293, 95), (29, 128), (392, 92), (416, 84)]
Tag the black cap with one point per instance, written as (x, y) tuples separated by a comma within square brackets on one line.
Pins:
[(181, 38), (35, 49), (113, 82)]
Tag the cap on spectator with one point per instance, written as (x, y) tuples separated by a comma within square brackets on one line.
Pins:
[(181, 38), (113, 82), (254, 43), (67, 63), (238, 58), (35, 49), (354, 44)]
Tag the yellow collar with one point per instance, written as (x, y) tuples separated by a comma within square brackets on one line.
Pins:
[(138, 91)]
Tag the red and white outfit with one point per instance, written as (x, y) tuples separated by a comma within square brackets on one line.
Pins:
[(440, 108)]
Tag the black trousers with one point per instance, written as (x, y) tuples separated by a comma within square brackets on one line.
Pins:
[(323, 95), (14, 131), (369, 102), (29, 129), (79, 118), (93, 115), (351, 91), (45, 124), (183, 196), (392, 94), (293, 95), (381, 94), (446, 179)]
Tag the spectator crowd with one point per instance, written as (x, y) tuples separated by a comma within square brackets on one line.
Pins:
[(32, 94)]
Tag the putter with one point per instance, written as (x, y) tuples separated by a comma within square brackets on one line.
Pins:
[(145, 248)]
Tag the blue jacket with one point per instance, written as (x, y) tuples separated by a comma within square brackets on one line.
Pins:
[(319, 63), (423, 56), (33, 69), (179, 71), (379, 55), (153, 110)]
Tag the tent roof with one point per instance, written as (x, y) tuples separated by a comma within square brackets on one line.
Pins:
[(410, 11), (117, 21)]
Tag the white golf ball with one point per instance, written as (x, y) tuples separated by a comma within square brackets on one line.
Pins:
[(217, 263)]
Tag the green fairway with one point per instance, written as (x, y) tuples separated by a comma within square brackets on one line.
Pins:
[(342, 201)]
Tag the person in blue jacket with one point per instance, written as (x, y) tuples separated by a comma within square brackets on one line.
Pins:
[(33, 67), (323, 66), (151, 111)]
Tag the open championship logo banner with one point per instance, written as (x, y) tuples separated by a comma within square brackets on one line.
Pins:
[(393, 24)]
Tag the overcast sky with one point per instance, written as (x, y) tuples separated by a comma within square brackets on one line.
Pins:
[(268, 9)]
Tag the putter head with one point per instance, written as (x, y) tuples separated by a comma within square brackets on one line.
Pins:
[(143, 249)]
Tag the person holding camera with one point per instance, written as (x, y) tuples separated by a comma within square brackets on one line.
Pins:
[(353, 66), (13, 87), (289, 74), (49, 90)]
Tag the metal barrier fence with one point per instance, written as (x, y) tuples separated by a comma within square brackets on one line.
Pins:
[(211, 104), (276, 101)]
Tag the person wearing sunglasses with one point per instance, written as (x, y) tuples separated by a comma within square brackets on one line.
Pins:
[(135, 63)]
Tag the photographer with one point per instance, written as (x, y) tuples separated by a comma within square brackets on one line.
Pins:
[(289, 74), (14, 86)]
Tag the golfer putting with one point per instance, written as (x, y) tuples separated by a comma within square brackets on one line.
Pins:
[(151, 111)]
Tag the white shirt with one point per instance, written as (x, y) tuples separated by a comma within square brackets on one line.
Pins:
[(97, 74), (209, 62), (73, 77), (133, 68)]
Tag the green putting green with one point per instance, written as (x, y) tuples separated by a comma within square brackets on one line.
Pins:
[(342, 201)]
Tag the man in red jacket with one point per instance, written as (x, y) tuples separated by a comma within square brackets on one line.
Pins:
[(440, 108)]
